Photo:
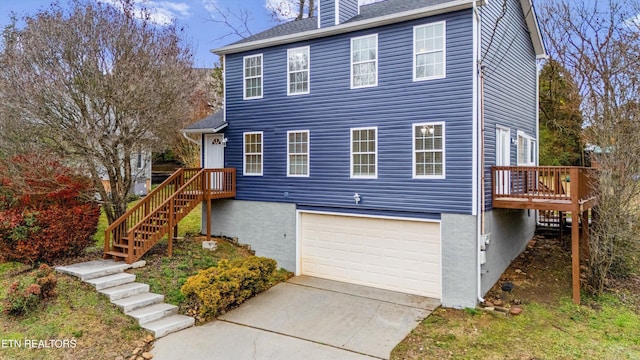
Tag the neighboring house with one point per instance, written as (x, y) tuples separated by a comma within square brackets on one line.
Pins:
[(364, 138), (140, 171)]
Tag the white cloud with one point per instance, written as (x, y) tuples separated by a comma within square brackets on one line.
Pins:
[(160, 12), (633, 21), (210, 5), (288, 9)]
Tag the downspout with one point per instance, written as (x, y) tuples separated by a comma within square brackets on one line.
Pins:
[(190, 139), (480, 93)]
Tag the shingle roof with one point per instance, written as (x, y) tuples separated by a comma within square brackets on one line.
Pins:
[(213, 122), (383, 8), (288, 28), (389, 7)]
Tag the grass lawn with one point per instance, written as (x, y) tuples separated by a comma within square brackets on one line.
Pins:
[(101, 330), (78, 313), (550, 326)]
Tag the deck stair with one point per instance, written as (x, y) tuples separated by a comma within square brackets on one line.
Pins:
[(133, 298), (158, 214)]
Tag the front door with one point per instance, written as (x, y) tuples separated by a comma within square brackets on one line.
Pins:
[(214, 157), (503, 158)]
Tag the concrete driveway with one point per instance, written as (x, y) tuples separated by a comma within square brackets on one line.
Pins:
[(304, 318)]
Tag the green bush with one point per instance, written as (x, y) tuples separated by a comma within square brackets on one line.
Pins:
[(218, 289), (23, 297)]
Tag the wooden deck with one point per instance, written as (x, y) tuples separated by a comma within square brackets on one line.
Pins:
[(558, 188), (543, 188)]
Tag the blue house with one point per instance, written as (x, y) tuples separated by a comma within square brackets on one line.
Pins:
[(363, 141)]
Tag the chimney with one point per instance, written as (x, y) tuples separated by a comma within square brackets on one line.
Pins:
[(336, 12)]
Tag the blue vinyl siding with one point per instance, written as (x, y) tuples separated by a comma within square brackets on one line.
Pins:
[(327, 13), (332, 108), (510, 80), (347, 10)]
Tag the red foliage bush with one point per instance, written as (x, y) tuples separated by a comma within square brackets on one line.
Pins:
[(44, 210), (25, 296)]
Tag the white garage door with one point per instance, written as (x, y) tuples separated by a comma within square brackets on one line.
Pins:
[(399, 255)]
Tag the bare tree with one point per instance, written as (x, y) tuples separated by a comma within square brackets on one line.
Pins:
[(93, 84), (282, 10), (206, 99), (237, 21), (599, 44)]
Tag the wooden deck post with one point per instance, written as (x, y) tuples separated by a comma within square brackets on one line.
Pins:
[(575, 236), (170, 229), (575, 254), (561, 224), (207, 196), (208, 218)]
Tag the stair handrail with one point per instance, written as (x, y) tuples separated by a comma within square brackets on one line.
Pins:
[(171, 198), (144, 202)]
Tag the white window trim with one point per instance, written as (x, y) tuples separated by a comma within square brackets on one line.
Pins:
[(244, 77), (444, 52), (531, 144), (351, 62), (508, 131), (308, 49), (444, 150), (307, 153), (244, 153), (375, 175)]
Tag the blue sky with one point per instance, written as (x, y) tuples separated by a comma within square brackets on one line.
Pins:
[(194, 14), (203, 33)]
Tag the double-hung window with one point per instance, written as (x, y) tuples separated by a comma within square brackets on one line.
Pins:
[(364, 61), (364, 151), (428, 150), (429, 59), (298, 71), (526, 150), (298, 153), (252, 74), (253, 153)]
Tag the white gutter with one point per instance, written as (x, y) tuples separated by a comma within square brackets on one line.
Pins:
[(184, 133), (534, 30), (348, 27), (203, 131)]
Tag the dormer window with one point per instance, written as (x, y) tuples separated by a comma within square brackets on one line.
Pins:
[(252, 74)]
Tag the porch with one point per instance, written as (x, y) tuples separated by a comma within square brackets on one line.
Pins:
[(550, 188)]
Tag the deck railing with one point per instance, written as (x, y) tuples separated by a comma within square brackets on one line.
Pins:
[(552, 184), (134, 233)]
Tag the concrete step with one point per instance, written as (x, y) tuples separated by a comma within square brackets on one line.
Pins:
[(153, 312), (112, 280), (169, 324), (124, 291), (138, 301), (94, 269)]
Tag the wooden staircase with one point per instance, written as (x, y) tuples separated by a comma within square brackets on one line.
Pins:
[(159, 213)]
